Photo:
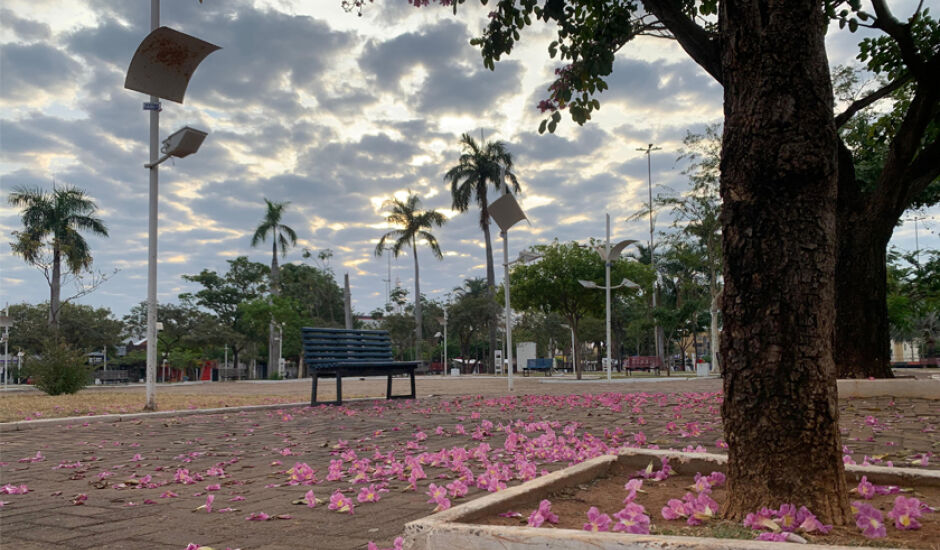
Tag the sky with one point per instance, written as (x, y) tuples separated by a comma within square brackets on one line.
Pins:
[(336, 114)]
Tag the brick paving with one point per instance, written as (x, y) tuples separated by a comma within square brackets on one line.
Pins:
[(107, 460)]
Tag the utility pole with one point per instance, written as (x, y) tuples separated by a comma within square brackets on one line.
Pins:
[(657, 330)]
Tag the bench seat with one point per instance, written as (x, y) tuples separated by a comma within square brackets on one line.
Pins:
[(331, 352)]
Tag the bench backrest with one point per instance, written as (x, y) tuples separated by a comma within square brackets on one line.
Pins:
[(326, 347), (642, 361)]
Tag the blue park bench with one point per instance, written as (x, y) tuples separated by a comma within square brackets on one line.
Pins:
[(544, 365), (349, 352)]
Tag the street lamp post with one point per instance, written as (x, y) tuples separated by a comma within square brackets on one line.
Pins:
[(607, 289), (6, 322), (506, 212), (609, 254), (563, 325), (161, 68), (657, 330)]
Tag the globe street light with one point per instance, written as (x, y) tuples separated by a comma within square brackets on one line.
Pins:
[(162, 67)]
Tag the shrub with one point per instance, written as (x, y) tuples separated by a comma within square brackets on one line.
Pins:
[(59, 369)]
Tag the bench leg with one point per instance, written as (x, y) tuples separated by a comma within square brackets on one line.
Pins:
[(339, 388), (388, 388), (412, 383), (313, 393)]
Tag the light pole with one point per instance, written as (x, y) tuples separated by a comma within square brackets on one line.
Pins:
[(6, 322), (506, 212), (609, 254), (657, 330), (572, 344), (161, 68)]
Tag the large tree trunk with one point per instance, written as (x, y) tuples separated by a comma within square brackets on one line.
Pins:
[(274, 343), (778, 183), (55, 288), (861, 347), (490, 287)]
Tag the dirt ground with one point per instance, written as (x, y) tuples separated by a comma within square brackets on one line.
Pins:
[(144, 481)]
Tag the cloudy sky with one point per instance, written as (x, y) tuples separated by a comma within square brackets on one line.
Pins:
[(336, 114)]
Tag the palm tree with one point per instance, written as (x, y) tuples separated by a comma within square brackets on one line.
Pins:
[(477, 166), (281, 236), (413, 225), (54, 220)]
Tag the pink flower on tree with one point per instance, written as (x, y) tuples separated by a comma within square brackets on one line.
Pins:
[(869, 520), (597, 521), (542, 514), (905, 512)]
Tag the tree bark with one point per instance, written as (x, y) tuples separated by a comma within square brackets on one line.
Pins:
[(274, 347), (55, 288), (490, 286), (419, 332), (778, 183), (862, 334)]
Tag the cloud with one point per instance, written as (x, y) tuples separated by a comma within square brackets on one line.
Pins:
[(29, 69), (25, 29)]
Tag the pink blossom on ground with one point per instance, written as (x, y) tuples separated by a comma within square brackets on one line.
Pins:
[(674, 509), (905, 512), (597, 521), (340, 503), (542, 514), (258, 516), (869, 520), (632, 519), (372, 493), (310, 499)]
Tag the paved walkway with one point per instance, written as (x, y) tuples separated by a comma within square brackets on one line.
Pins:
[(96, 483)]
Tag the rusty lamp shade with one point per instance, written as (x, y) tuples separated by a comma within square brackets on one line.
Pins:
[(164, 62), (506, 211)]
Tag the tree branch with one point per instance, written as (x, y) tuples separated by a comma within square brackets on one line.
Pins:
[(901, 33), (922, 171), (695, 40), (895, 183), (860, 104)]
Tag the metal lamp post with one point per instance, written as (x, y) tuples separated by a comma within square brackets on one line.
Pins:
[(564, 325), (607, 288), (609, 254), (161, 67), (657, 330), (6, 322), (506, 212)]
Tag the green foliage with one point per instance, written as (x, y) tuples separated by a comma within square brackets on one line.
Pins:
[(314, 293), (914, 294), (551, 285), (59, 369), (82, 327), (51, 225)]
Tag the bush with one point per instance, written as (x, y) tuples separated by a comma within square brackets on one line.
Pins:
[(59, 369)]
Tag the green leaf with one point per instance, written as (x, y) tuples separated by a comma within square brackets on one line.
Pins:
[(542, 126), (853, 25)]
